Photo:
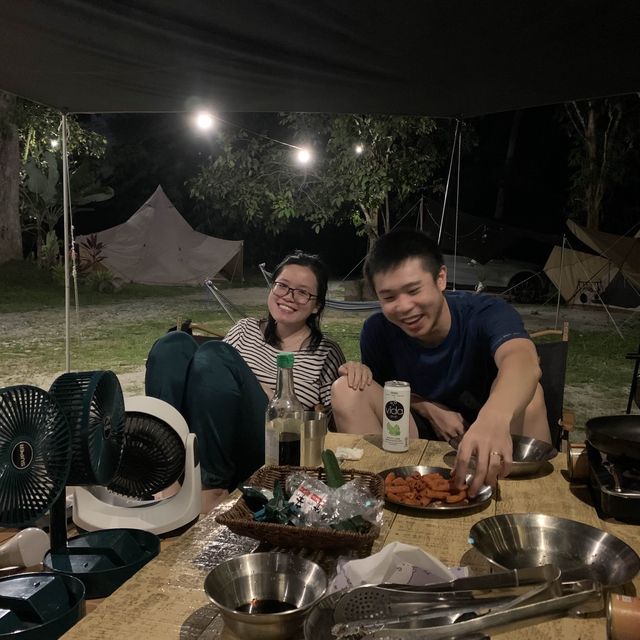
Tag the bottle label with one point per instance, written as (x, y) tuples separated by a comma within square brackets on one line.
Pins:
[(271, 445)]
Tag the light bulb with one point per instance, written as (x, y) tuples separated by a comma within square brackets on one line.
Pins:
[(304, 156), (204, 121)]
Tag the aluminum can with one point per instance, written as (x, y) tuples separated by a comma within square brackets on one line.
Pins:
[(623, 617), (396, 408)]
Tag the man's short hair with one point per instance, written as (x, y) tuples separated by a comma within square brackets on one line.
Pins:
[(393, 248)]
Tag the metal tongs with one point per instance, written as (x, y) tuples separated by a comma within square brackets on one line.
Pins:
[(457, 609)]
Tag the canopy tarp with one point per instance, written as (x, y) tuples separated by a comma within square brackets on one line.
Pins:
[(156, 245), (432, 57)]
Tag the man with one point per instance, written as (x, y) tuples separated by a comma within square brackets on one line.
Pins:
[(472, 368)]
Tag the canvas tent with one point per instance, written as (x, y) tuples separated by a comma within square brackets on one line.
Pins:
[(610, 276), (156, 245)]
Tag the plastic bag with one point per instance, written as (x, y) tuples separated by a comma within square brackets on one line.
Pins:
[(347, 508)]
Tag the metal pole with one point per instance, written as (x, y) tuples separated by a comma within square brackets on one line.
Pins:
[(67, 278), (455, 233), (564, 239), (446, 189)]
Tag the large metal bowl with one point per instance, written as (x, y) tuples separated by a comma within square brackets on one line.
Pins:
[(518, 540), (279, 577), (529, 455)]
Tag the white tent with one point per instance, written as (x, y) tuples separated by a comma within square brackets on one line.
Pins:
[(156, 245)]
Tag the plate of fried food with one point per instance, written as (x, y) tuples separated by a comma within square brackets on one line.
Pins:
[(430, 489)]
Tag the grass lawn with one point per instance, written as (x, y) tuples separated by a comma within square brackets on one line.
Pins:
[(116, 331)]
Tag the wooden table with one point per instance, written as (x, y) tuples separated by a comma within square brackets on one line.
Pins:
[(166, 600)]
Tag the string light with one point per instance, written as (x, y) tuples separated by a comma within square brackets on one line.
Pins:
[(204, 120), (55, 143), (303, 155), (358, 149)]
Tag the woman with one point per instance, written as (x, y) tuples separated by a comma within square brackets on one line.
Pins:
[(222, 388)]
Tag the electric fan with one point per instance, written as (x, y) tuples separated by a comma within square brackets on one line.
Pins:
[(93, 405), (35, 454), (158, 450), (35, 457)]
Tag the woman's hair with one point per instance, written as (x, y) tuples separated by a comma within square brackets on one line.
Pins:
[(319, 270)]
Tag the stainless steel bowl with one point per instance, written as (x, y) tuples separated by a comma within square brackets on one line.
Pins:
[(518, 540), (279, 577), (529, 455)]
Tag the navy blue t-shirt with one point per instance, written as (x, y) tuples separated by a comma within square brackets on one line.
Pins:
[(458, 372)]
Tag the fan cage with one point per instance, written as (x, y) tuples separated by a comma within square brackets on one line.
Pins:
[(35, 454), (153, 457), (93, 404)]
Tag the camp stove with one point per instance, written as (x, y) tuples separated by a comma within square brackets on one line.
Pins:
[(615, 485)]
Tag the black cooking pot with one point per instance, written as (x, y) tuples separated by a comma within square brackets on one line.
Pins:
[(615, 435)]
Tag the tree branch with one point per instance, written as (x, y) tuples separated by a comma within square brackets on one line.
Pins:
[(574, 118)]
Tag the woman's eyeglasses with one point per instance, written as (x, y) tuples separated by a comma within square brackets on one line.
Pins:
[(301, 296)]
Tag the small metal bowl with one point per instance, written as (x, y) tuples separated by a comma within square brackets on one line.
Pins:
[(519, 540), (265, 578), (529, 455)]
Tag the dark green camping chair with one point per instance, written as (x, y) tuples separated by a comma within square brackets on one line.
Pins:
[(553, 348)]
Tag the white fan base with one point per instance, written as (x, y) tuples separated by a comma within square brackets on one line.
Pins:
[(95, 508)]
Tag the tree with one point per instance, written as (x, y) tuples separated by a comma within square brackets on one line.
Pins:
[(40, 177), (603, 132), (360, 163), (10, 237)]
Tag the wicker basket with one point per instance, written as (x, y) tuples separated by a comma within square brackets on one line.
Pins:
[(239, 518)]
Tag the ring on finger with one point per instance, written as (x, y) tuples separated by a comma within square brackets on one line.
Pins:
[(497, 453)]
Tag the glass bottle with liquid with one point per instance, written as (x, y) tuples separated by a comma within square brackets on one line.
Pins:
[(284, 418)]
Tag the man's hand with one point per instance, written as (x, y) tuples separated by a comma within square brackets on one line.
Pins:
[(358, 375), (446, 423), (489, 437), (488, 440)]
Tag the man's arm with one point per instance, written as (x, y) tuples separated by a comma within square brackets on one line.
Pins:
[(489, 437)]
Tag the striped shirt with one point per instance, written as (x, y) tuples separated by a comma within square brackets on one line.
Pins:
[(313, 371)]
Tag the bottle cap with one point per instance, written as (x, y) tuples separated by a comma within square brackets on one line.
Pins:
[(284, 360)]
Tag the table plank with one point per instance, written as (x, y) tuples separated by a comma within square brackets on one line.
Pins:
[(549, 493)]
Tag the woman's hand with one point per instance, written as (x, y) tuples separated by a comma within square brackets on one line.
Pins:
[(358, 375)]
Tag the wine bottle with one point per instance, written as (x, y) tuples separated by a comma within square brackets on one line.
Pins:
[(284, 418)]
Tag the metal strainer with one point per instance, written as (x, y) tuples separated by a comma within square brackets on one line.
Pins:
[(374, 603), (459, 607), (387, 600), (320, 621)]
